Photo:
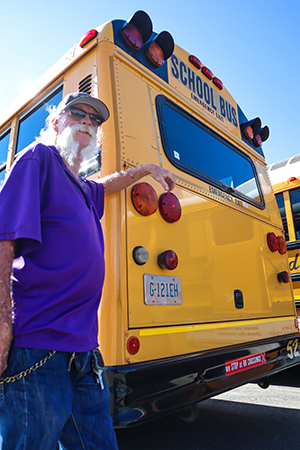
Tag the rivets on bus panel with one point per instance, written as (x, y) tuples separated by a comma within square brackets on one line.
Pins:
[(168, 260), (140, 255), (169, 207), (283, 277), (133, 345), (144, 199)]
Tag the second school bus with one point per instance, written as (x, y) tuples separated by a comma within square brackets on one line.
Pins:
[(285, 179), (197, 298)]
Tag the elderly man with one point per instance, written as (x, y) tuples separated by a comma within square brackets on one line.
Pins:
[(51, 391)]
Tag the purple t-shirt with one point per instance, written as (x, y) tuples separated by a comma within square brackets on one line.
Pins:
[(58, 271)]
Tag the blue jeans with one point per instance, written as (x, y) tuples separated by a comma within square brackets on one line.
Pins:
[(53, 408)]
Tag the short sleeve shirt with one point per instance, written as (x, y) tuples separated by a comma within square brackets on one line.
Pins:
[(58, 271)]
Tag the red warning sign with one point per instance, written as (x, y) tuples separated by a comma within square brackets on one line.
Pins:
[(240, 364)]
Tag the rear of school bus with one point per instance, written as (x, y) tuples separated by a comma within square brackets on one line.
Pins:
[(197, 298), (285, 179)]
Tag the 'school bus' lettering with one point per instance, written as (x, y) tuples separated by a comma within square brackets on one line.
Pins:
[(190, 278)]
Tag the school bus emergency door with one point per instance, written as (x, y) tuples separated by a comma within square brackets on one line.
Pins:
[(197, 298)]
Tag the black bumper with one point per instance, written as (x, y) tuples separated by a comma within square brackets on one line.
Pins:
[(145, 391)]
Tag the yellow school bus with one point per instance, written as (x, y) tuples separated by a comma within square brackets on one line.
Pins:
[(197, 298), (285, 179)]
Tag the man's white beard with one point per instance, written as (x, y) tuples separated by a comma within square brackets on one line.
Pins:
[(68, 147)]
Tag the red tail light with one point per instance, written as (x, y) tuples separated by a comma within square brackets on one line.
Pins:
[(88, 37), (283, 277), (169, 207), (133, 345), (144, 199), (168, 260), (272, 242), (281, 245)]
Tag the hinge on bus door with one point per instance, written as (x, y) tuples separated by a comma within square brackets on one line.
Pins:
[(238, 299)]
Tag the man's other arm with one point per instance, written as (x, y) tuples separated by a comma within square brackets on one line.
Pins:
[(6, 258)]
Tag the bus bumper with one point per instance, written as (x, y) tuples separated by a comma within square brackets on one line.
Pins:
[(145, 391)]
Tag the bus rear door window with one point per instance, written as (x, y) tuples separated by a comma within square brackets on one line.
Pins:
[(196, 149)]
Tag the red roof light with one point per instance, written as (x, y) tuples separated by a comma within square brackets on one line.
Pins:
[(195, 61), (132, 36), (218, 83), (87, 37), (207, 72)]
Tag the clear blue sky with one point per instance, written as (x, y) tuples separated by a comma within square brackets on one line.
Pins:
[(253, 47)]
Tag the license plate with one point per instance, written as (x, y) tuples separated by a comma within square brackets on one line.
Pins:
[(162, 290)]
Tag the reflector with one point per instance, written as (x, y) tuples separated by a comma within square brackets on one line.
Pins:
[(133, 345), (169, 207), (144, 199)]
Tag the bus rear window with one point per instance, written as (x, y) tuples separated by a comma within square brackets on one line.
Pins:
[(281, 207), (199, 151)]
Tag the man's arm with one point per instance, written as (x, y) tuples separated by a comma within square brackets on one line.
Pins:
[(6, 258), (121, 180)]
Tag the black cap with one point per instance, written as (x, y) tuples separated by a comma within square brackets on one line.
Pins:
[(82, 97)]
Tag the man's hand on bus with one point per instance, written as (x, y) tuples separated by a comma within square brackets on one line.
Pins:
[(122, 180)]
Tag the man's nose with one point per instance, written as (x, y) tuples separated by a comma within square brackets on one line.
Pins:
[(86, 120)]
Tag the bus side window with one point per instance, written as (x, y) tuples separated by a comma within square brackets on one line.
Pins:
[(4, 142), (295, 202), (281, 207), (31, 124)]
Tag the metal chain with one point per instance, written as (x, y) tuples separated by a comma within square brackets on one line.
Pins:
[(28, 371)]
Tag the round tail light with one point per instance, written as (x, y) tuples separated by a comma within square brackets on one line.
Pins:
[(168, 260), (144, 199), (281, 245), (283, 277), (272, 242), (169, 207)]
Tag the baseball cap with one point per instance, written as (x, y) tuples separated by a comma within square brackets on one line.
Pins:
[(82, 97)]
